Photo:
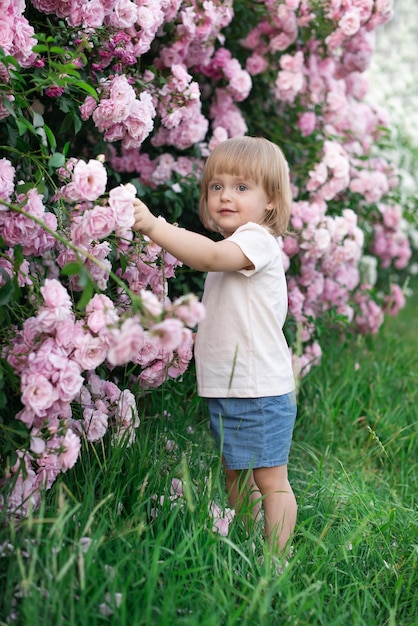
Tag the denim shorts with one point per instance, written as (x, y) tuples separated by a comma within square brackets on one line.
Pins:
[(253, 432)]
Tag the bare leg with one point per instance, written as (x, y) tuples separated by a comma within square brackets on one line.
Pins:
[(279, 503), (241, 489)]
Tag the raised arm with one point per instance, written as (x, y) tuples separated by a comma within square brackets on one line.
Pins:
[(196, 251)]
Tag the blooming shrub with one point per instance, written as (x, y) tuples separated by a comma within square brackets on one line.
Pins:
[(112, 98)]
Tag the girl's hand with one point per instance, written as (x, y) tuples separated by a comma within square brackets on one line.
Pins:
[(144, 219)]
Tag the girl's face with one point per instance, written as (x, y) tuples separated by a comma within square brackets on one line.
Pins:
[(234, 201)]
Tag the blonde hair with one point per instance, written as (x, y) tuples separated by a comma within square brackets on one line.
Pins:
[(260, 160)]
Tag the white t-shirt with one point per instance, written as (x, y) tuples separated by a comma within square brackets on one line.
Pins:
[(240, 348)]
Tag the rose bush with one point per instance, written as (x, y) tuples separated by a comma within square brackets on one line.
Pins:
[(107, 99)]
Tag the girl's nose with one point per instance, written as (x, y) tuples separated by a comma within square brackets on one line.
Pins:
[(225, 195)]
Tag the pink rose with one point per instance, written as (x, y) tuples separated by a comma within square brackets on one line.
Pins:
[(98, 223), (306, 123), (350, 22), (70, 381), (38, 394), (87, 108), (95, 423), (154, 375), (169, 333), (127, 412), (189, 310), (121, 201), (126, 342), (101, 313), (89, 179), (72, 445), (149, 352), (122, 96), (7, 174), (55, 295), (90, 352), (125, 14)]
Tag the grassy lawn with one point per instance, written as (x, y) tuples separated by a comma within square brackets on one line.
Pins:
[(106, 548)]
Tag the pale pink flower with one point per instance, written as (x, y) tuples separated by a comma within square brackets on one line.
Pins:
[(170, 445), (72, 445), (69, 381), (7, 173), (124, 15), (154, 375), (25, 496), (350, 22), (176, 488), (97, 223), (127, 412), (122, 96), (38, 394), (37, 444), (55, 295), (306, 123), (395, 301), (150, 351), (101, 313), (126, 342), (169, 333), (221, 519), (151, 303), (121, 201), (89, 179), (189, 309), (96, 422), (90, 352), (256, 64), (87, 108)]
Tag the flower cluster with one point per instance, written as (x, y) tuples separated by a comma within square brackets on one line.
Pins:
[(58, 352)]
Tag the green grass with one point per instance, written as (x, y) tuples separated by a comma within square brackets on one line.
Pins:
[(353, 466)]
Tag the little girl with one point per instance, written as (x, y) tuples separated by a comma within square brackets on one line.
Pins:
[(243, 363)]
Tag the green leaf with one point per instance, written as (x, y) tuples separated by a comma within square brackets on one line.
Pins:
[(84, 276), (18, 256), (38, 120), (71, 269), (23, 126), (88, 292), (123, 262), (86, 87), (58, 50), (6, 290), (51, 138), (40, 47), (57, 160)]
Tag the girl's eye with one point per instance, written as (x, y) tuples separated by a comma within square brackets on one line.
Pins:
[(242, 187), (216, 186)]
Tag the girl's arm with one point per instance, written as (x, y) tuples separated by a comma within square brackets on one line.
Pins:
[(196, 251)]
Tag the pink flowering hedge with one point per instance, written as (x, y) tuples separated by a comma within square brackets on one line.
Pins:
[(102, 100)]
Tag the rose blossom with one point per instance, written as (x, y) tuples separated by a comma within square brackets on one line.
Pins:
[(89, 179), (96, 422), (90, 352), (101, 313), (126, 342), (38, 394), (169, 333), (72, 445), (69, 382), (7, 174), (121, 201)]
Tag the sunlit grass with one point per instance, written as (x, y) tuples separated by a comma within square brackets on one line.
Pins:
[(105, 549)]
